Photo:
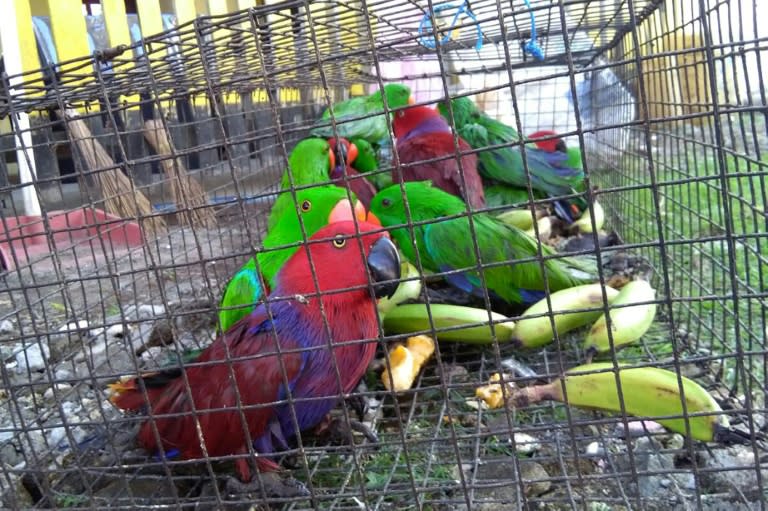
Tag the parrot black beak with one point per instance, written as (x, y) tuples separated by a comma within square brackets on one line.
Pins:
[(560, 146), (384, 265)]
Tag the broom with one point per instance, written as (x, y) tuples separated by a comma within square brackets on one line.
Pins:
[(185, 191), (121, 197)]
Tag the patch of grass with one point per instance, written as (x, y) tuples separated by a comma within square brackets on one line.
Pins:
[(701, 272)]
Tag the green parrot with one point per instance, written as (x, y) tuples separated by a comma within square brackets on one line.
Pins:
[(310, 162), (371, 127), (549, 171), (367, 163), (319, 206), (447, 246)]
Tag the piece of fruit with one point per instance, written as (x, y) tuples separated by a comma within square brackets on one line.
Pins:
[(533, 332), (648, 392), (584, 223), (414, 318), (406, 290), (628, 324), (405, 362)]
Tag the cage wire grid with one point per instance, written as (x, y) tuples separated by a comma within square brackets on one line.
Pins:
[(666, 107)]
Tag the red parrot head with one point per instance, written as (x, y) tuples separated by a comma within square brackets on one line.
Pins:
[(407, 119), (339, 263), (344, 151), (549, 145)]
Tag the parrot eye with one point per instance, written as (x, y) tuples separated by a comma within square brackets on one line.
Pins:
[(401, 113), (306, 206), (386, 203), (339, 242)]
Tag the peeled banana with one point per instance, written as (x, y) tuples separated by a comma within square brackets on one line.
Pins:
[(628, 324), (534, 332), (584, 223), (406, 290), (413, 317), (405, 362), (520, 218), (648, 392)]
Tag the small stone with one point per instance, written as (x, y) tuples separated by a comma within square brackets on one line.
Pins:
[(56, 435), (594, 449), (6, 326), (60, 387), (74, 326), (535, 479), (635, 429), (32, 358), (526, 444), (675, 442)]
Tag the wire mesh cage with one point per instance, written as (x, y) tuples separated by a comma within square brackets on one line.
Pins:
[(140, 179)]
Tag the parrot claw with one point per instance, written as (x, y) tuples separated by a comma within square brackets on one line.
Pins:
[(267, 484), (340, 432)]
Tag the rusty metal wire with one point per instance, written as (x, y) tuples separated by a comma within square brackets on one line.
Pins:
[(673, 131)]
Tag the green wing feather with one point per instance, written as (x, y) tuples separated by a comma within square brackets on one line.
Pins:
[(240, 295), (451, 248)]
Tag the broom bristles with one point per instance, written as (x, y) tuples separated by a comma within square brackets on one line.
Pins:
[(120, 196), (189, 197)]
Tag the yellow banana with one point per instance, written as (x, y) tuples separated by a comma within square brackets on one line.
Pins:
[(648, 392), (545, 229), (520, 218), (537, 331), (405, 362), (628, 324), (584, 223), (412, 318), (406, 290)]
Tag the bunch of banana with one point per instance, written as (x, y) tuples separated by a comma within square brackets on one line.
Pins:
[(648, 392), (405, 362), (408, 289), (584, 223), (628, 324), (414, 317), (533, 332)]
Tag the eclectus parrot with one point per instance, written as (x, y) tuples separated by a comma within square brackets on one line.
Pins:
[(346, 154), (423, 135), (447, 245), (310, 163), (235, 393), (549, 172), (318, 206), (363, 117)]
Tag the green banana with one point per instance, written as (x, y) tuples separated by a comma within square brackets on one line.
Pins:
[(521, 218), (628, 324), (647, 392), (413, 318), (584, 223), (406, 290), (537, 331)]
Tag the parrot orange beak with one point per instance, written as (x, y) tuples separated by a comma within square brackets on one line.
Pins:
[(384, 264), (373, 219), (411, 100), (352, 153), (332, 158)]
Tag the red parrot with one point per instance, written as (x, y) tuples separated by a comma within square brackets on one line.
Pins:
[(423, 134), (278, 351), (345, 154)]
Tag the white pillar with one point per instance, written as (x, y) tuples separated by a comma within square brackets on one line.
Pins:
[(12, 57)]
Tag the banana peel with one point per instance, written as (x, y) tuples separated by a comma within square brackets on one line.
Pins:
[(405, 362)]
